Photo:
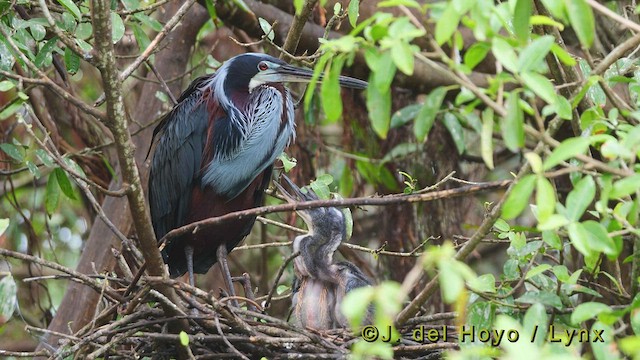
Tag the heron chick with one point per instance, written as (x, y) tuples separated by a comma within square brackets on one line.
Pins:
[(320, 284)]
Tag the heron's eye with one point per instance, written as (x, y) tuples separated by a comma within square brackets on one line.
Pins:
[(263, 66)]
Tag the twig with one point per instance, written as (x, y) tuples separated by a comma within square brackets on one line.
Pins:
[(75, 276), (605, 11), (226, 341), (278, 276), (162, 82), (55, 88)]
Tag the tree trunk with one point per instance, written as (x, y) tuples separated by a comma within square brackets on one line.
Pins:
[(80, 302)]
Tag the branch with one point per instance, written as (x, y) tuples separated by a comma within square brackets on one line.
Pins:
[(295, 31), (340, 203), (118, 124), (75, 276), (424, 78)]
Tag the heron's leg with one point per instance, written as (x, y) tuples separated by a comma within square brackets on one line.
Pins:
[(222, 259), (188, 253)]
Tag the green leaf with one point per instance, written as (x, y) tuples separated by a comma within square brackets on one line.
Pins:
[(582, 21), (451, 282), (567, 149), (11, 109), (267, 28), (447, 24), (545, 199), (534, 161), (545, 20), (563, 55), (117, 27), (71, 7), (521, 16), (451, 122), (379, 107), (8, 298), (353, 11), (15, 152), (45, 52), (297, 5), (427, 115), (484, 283), (65, 183), (52, 195), (512, 125), (131, 4), (625, 187), (532, 57), (579, 238), (537, 270), (519, 197), (542, 297), (71, 61), (6, 85), (505, 54), (288, 162), (321, 189), (580, 198), (382, 69), (556, 8), (599, 239), (211, 9), (355, 303), (476, 53), (553, 222), (184, 339), (533, 319), (37, 31), (501, 225), (141, 37), (402, 55), (588, 310), (404, 115), (561, 272), (330, 90), (486, 137), (148, 21), (281, 289), (552, 239), (4, 225), (541, 86)]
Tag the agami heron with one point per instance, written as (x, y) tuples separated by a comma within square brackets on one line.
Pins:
[(320, 285), (214, 153)]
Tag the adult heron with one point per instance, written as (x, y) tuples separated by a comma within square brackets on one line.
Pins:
[(214, 153)]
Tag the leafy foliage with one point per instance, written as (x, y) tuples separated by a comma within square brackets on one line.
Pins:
[(513, 85)]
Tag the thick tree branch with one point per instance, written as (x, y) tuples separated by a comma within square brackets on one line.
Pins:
[(79, 304), (118, 124)]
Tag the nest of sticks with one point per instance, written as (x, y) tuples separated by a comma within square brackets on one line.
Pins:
[(144, 323)]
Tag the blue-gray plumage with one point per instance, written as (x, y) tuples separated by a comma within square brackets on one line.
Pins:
[(214, 153), (320, 285)]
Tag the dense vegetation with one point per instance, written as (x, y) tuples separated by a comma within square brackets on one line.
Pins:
[(490, 168)]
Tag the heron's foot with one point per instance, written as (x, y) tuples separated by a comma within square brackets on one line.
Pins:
[(245, 280), (249, 298)]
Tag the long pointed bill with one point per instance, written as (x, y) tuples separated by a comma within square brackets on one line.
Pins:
[(296, 194), (289, 73)]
